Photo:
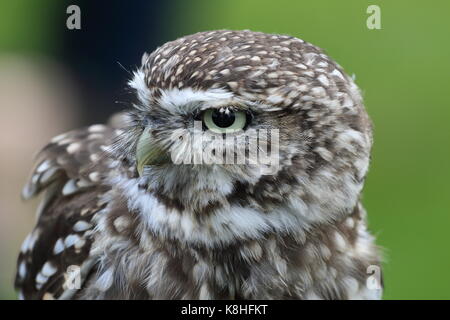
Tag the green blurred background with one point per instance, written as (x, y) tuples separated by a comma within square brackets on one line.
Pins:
[(403, 70)]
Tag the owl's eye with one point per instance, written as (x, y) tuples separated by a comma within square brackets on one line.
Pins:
[(224, 121)]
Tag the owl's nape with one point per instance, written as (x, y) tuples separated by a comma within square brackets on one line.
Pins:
[(143, 209)]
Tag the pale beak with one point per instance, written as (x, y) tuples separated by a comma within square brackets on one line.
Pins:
[(149, 153)]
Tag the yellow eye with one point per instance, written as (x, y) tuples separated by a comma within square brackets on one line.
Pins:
[(226, 121)]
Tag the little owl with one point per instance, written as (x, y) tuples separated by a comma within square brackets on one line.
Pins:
[(123, 218)]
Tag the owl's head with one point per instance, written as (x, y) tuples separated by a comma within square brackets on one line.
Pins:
[(264, 126)]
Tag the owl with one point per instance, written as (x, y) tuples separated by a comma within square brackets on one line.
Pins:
[(172, 199)]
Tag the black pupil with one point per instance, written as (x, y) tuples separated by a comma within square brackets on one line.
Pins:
[(222, 119)]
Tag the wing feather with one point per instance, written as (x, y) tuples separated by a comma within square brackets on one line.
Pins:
[(69, 171)]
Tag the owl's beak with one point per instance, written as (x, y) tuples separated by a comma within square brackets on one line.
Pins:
[(149, 153)]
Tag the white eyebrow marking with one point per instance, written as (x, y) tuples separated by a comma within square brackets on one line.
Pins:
[(184, 100)]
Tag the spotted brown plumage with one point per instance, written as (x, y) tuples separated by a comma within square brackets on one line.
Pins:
[(69, 170), (139, 225)]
